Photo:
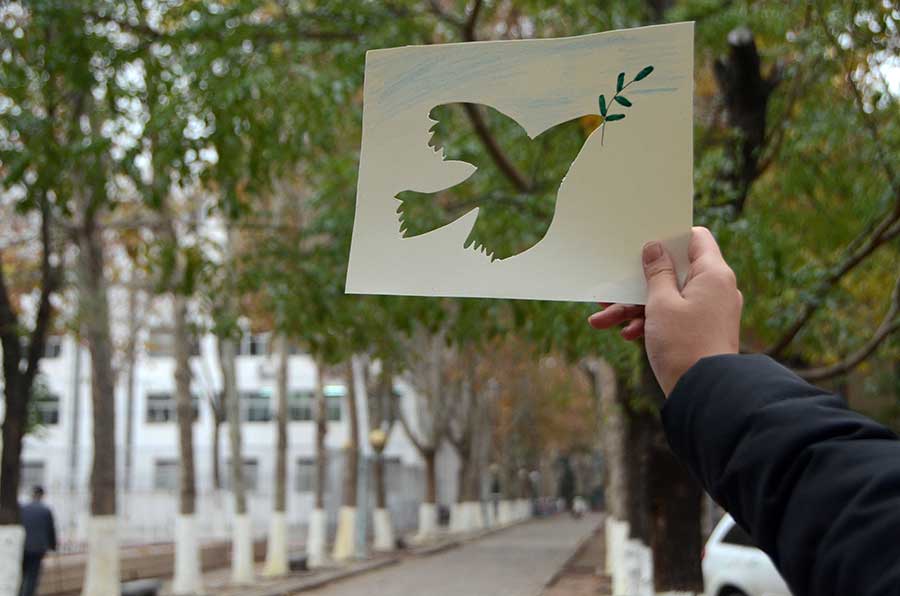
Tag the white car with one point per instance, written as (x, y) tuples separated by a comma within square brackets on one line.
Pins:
[(733, 566)]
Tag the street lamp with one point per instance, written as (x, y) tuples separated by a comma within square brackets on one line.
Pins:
[(377, 439)]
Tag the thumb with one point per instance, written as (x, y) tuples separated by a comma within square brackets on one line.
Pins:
[(658, 270)]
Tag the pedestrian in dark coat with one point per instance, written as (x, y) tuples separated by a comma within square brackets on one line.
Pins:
[(40, 536), (816, 485)]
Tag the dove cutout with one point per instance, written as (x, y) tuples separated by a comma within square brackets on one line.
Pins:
[(509, 221)]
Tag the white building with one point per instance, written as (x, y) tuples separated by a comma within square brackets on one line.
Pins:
[(58, 454)]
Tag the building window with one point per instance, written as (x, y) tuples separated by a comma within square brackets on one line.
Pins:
[(47, 407), (333, 398), (251, 474), (301, 406), (160, 343), (306, 475), (255, 406), (53, 347), (161, 407), (32, 475), (165, 474), (254, 344)]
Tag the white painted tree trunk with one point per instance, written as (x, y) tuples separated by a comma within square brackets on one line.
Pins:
[(616, 540), (102, 573), (478, 521), (188, 577), (345, 538), (457, 517), (504, 513), (427, 521), (315, 539), (242, 550), (491, 519), (276, 547), (384, 531), (12, 538)]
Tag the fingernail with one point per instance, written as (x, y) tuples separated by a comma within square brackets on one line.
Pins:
[(652, 251)]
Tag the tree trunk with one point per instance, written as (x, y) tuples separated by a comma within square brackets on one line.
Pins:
[(637, 437), (345, 539), (130, 364), (216, 467), (13, 432), (613, 425), (351, 461), (380, 486), (184, 408), (102, 575), (276, 548), (75, 436), (281, 423), (241, 537), (462, 476), (187, 578), (227, 358), (315, 543), (321, 432), (675, 516), (430, 456)]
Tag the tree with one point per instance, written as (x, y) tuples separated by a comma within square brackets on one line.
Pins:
[(277, 552), (427, 364)]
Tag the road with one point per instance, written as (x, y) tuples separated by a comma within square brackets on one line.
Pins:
[(514, 562)]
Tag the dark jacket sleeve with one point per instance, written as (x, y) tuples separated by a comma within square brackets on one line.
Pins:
[(815, 484), (51, 531)]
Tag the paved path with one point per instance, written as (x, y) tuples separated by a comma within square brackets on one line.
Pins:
[(514, 562)]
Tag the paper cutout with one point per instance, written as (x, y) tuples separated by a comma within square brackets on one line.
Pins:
[(625, 186)]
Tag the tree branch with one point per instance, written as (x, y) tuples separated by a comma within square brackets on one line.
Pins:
[(50, 280), (886, 230), (503, 163), (9, 335), (468, 28), (890, 324), (420, 447), (442, 15)]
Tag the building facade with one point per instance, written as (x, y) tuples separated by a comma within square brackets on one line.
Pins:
[(57, 454)]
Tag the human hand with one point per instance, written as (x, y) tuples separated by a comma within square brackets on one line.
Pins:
[(681, 327)]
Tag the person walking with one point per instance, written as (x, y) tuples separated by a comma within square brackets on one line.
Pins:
[(40, 536)]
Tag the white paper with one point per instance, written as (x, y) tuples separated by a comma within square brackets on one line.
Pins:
[(634, 187)]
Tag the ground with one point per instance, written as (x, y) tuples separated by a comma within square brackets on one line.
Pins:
[(519, 561)]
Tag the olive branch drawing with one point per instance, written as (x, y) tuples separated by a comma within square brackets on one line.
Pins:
[(620, 99)]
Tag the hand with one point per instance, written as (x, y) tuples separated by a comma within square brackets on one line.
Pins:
[(681, 327)]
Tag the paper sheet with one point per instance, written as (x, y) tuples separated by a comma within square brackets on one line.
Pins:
[(631, 181)]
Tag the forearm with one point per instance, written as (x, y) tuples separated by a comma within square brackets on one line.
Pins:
[(817, 486)]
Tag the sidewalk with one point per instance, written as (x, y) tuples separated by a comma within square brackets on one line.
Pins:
[(583, 574), (516, 561)]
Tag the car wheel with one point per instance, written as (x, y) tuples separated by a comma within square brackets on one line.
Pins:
[(731, 592)]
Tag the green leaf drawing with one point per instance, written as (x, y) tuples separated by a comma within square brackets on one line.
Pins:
[(644, 73), (621, 85)]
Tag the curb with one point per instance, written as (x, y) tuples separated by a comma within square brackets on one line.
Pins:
[(314, 582), (577, 551)]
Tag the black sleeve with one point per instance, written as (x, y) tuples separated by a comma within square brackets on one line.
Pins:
[(816, 485), (51, 530)]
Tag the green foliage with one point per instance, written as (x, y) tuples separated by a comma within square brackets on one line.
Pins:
[(254, 104)]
